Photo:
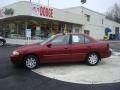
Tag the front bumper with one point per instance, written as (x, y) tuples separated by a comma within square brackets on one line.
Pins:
[(16, 59)]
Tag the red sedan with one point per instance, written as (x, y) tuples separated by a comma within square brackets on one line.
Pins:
[(62, 48)]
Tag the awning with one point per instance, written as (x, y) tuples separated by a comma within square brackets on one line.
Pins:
[(107, 30)]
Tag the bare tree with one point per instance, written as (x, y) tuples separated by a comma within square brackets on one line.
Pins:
[(113, 13)]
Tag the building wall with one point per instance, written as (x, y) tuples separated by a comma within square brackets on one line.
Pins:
[(67, 16), (75, 15), (95, 31), (97, 24), (21, 8), (25, 8), (112, 25), (93, 15)]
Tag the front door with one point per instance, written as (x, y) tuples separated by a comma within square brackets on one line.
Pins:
[(57, 50)]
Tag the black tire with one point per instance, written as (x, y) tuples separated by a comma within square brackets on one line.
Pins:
[(30, 62), (92, 59), (2, 43)]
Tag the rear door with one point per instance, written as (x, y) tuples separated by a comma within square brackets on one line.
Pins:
[(79, 48)]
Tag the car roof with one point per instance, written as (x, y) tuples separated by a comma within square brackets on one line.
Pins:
[(70, 34), (59, 34)]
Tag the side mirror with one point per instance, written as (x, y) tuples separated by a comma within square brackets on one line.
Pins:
[(49, 45)]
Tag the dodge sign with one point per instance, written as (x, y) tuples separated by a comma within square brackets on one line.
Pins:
[(42, 11)]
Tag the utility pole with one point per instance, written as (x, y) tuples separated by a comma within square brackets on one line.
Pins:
[(38, 1), (48, 3), (83, 2)]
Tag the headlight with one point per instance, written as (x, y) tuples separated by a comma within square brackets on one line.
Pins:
[(111, 50), (16, 53)]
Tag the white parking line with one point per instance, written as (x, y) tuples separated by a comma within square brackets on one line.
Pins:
[(116, 53)]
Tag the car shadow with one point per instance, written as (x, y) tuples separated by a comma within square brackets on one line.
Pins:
[(61, 64)]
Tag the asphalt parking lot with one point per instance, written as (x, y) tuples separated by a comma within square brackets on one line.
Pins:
[(51, 76)]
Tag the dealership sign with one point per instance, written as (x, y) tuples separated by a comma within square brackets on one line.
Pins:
[(42, 11), (6, 12)]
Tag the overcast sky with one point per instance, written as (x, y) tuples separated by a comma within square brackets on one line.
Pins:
[(96, 5)]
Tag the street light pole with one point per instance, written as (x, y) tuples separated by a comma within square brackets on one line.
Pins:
[(39, 1), (48, 3)]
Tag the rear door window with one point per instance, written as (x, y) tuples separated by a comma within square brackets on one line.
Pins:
[(77, 39), (80, 39)]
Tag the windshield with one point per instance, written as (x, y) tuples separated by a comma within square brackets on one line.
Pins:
[(47, 40)]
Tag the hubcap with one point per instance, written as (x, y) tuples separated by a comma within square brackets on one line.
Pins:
[(93, 59), (31, 62)]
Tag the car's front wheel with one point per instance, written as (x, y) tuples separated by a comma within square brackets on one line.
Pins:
[(93, 59), (31, 62)]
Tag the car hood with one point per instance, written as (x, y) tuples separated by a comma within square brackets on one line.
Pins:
[(29, 47)]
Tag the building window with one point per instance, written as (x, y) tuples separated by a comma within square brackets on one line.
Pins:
[(116, 30), (102, 21), (13, 30), (88, 17), (76, 30), (87, 32)]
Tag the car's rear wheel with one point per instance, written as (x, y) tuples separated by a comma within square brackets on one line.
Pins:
[(1, 43), (31, 62), (92, 59)]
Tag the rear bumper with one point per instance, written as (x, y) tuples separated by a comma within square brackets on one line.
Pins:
[(107, 54)]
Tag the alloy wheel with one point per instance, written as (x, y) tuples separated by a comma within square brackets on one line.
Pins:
[(30, 62), (92, 59)]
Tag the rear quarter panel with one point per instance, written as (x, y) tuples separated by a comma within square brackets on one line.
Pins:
[(102, 48)]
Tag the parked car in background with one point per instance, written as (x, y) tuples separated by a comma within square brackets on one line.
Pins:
[(62, 48), (2, 41)]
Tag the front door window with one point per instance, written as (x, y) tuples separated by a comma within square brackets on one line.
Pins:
[(61, 40)]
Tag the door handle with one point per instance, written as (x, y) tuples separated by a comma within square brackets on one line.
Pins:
[(88, 46)]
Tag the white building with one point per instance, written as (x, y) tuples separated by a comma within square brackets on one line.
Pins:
[(95, 23), (43, 21)]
